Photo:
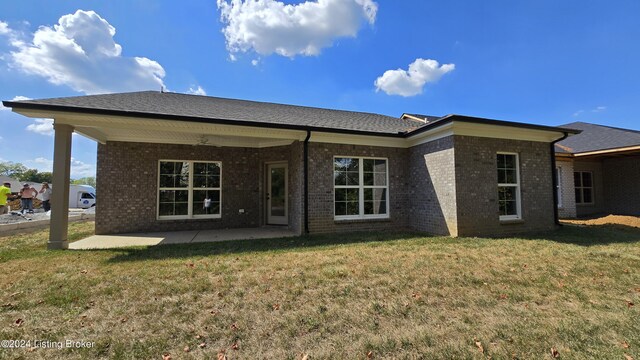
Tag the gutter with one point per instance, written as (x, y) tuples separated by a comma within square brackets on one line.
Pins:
[(554, 177), (306, 181)]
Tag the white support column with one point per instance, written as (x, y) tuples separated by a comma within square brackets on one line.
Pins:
[(60, 194)]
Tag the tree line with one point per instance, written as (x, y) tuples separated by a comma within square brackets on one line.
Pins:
[(22, 173)]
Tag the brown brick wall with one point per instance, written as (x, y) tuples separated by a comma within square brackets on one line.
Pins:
[(621, 181), (476, 186), (127, 185), (432, 189), (447, 186), (321, 195)]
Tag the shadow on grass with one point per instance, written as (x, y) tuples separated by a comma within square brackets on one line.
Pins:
[(590, 235), (258, 245)]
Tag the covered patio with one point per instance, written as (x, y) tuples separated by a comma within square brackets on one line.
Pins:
[(179, 237)]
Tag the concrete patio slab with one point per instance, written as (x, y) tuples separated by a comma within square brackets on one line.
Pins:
[(178, 237)]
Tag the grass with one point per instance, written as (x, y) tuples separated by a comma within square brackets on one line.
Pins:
[(385, 295)]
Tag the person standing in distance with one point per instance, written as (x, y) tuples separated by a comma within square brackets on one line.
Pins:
[(45, 190), (5, 195), (27, 194)]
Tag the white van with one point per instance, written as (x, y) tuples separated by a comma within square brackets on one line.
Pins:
[(82, 196)]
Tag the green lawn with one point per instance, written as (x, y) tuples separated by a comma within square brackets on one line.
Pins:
[(330, 297)]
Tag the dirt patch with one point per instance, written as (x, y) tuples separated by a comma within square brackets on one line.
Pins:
[(633, 221)]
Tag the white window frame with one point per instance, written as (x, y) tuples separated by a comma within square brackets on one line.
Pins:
[(361, 188), (582, 187), (559, 189), (518, 215), (190, 190)]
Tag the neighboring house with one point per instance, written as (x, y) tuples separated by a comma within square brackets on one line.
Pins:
[(599, 171), (163, 157)]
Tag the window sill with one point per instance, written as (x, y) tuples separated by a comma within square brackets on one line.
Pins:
[(188, 218), (362, 220), (511, 222)]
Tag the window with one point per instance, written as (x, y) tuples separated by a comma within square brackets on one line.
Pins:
[(361, 188), (189, 189), (508, 186), (584, 187), (559, 185)]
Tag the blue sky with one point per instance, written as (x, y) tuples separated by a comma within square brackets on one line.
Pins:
[(546, 62)]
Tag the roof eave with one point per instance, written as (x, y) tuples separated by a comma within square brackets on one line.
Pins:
[(17, 106)]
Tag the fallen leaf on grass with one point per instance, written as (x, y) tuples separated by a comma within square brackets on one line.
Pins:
[(186, 349), (554, 353), (624, 344), (222, 356), (370, 355), (83, 272), (15, 294), (166, 356), (18, 322), (202, 345), (8, 305), (416, 295), (479, 345), (638, 289), (304, 356), (630, 303), (123, 320), (190, 265), (235, 346), (234, 326), (276, 306), (628, 357)]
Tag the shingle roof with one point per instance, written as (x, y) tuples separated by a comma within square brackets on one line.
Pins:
[(597, 137), (206, 108), (184, 107)]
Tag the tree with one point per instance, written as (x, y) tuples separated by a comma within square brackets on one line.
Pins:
[(89, 180), (11, 169), (35, 176)]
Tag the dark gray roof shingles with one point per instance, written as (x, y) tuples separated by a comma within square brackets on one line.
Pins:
[(207, 107), (597, 137)]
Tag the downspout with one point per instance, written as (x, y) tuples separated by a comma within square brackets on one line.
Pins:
[(306, 181), (554, 178)]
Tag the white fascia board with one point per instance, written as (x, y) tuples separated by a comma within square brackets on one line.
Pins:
[(121, 122), (504, 132)]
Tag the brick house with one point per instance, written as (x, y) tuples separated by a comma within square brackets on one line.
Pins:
[(598, 171), (170, 161)]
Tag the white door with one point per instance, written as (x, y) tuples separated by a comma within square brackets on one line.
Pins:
[(277, 204)]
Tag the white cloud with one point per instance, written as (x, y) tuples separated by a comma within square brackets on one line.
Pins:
[(598, 109), (80, 52), (269, 26), (4, 28), (42, 127), (15, 98), (409, 83), (78, 168), (196, 90)]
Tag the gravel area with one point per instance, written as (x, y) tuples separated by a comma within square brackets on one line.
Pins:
[(15, 217)]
